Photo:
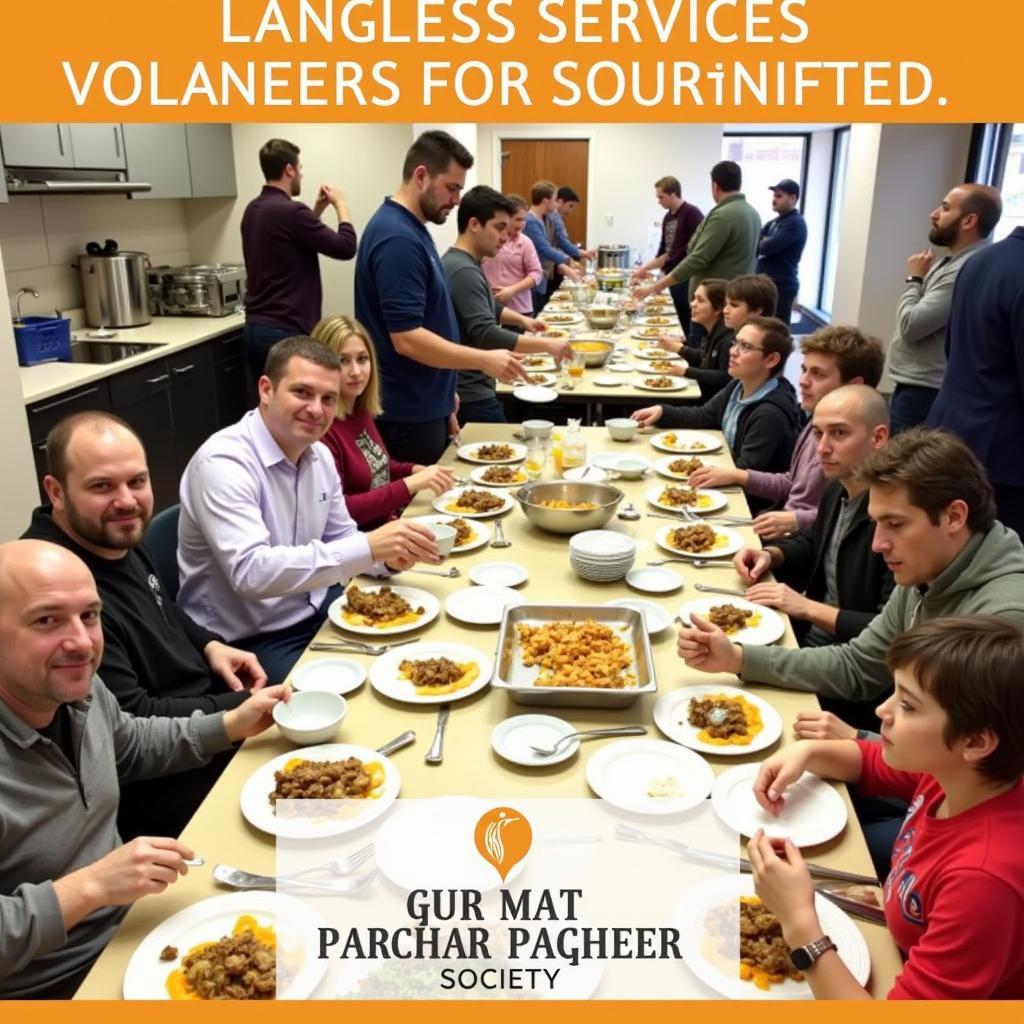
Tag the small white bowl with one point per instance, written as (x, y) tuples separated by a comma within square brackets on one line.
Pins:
[(310, 717), (622, 429), (445, 535), (537, 428)]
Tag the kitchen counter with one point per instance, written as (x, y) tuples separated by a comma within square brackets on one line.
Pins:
[(167, 335)]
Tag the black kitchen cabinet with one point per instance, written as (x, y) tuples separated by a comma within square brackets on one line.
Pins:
[(193, 402), (235, 391)]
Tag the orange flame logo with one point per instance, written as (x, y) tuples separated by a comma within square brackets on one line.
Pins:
[(503, 837)]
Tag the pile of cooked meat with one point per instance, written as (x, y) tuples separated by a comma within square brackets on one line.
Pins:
[(464, 533), (659, 382), (684, 467), (503, 475), (494, 452), (700, 717), (729, 618), (431, 672), (693, 539), (323, 780), (378, 606), (235, 967), (678, 496), (479, 501)]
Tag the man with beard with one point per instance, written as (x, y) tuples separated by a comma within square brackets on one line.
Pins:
[(402, 297), (156, 660), (282, 241), (962, 223)]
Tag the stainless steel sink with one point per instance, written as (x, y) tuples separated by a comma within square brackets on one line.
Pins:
[(109, 351)]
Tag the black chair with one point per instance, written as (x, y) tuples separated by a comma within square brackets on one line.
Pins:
[(161, 544)]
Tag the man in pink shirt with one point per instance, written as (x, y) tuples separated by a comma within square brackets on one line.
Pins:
[(515, 271)]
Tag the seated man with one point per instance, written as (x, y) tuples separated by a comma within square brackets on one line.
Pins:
[(758, 413), (264, 537), (65, 879), (831, 356), (838, 583), (156, 660), (747, 296)]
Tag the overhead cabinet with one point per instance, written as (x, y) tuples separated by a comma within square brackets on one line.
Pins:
[(81, 146), (193, 161)]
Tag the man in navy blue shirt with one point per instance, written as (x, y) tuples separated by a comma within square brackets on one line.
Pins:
[(782, 244), (402, 298)]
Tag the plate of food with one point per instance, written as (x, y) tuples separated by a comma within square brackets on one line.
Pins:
[(659, 320), (678, 468), (688, 442), (719, 720), (814, 811), (383, 609), (663, 383), (742, 621), (469, 536), (559, 318), (431, 673), (554, 334), (491, 452), (653, 352), (474, 502), (343, 787), (734, 944), (649, 776), (673, 497), (647, 333), (544, 380), (698, 540), (540, 361), (663, 366), (272, 932), (501, 475)]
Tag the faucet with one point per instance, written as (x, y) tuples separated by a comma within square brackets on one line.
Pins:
[(22, 292)]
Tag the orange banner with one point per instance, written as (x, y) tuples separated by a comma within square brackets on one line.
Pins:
[(512, 60)]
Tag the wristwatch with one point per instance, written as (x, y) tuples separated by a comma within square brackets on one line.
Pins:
[(913, 279), (807, 956)]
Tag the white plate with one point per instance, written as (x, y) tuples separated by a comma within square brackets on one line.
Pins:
[(608, 382), (259, 812), (717, 501), (620, 367), (660, 320), (671, 710), (662, 464), (595, 474), (498, 574), (654, 353), (481, 532), (648, 333), (416, 597), (623, 774), (329, 675), (655, 617), (682, 385), (482, 606), (534, 393), (733, 544), (386, 679), (654, 579), (814, 811), (767, 631), (686, 442), (211, 919), (543, 363), (689, 919), (466, 452), (546, 380), (561, 318), (450, 497), (477, 476), (512, 739)]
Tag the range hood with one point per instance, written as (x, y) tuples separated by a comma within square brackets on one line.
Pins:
[(64, 181)]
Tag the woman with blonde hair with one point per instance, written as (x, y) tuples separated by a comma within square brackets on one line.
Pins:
[(376, 487)]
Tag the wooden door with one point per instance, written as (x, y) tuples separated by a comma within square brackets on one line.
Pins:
[(563, 161)]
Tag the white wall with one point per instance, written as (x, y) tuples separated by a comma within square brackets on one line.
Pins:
[(815, 192)]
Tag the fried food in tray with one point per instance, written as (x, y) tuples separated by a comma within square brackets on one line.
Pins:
[(504, 475), (437, 676), (242, 965), (382, 608), (477, 501), (495, 452), (764, 955), (724, 720), (692, 539), (730, 619), (684, 467), (577, 654)]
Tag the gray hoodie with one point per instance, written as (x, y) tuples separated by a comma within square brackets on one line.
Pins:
[(986, 578)]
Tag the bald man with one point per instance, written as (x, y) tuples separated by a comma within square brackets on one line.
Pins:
[(65, 878)]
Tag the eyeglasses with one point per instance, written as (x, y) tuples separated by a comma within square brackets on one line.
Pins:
[(745, 346)]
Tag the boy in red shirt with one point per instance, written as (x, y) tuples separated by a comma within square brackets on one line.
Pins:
[(953, 746)]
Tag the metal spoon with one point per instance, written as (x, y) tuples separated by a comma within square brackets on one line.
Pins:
[(451, 573), (589, 734)]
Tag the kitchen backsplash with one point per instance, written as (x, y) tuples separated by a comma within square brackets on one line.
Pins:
[(42, 236)]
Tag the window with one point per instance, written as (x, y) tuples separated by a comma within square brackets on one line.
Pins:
[(765, 160), (837, 190), (997, 158)]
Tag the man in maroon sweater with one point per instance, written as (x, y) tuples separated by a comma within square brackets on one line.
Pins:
[(282, 241)]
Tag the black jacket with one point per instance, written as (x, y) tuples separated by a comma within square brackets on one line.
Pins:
[(709, 363), (862, 579)]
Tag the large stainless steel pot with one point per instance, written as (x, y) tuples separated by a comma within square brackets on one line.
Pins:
[(613, 257), (115, 288)]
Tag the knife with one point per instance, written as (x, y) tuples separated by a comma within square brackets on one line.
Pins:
[(435, 755)]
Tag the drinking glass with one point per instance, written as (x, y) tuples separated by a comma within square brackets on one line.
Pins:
[(536, 457)]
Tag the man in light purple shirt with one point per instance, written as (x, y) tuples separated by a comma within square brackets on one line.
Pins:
[(264, 538)]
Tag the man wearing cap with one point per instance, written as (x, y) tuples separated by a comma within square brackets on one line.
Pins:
[(782, 244)]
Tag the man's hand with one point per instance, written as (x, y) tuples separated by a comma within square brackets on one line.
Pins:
[(671, 342), (777, 774), (236, 667), (560, 349), (403, 543), (504, 295), (331, 195), (707, 648), (772, 525), (778, 595), (256, 714), (144, 866), (919, 264), (716, 476), (649, 416), (533, 325), (503, 365), (568, 271), (783, 882), (822, 725), (750, 563), (437, 478)]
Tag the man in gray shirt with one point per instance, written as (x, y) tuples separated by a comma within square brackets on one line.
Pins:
[(962, 223), (65, 745), (483, 322)]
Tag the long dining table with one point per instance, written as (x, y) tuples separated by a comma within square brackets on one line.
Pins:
[(218, 831)]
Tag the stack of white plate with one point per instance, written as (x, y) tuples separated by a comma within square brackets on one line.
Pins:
[(601, 555)]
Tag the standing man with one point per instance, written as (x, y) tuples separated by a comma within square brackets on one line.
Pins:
[(725, 242), (782, 244), (677, 228), (403, 299), (281, 243), (982, 397), (917, 353), (540, 229), (566, 200)]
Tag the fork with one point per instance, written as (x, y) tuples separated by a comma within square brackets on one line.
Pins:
[(588, 734), (341, 866), (697, 563), (357, 646)]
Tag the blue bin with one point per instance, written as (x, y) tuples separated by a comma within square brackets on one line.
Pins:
[(43, 339)]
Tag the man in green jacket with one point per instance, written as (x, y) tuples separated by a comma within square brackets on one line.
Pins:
[(725, 242), (936, 528)]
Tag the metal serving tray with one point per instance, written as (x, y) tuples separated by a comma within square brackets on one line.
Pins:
[(512, 675)]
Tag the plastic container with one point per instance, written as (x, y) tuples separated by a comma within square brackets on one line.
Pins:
[(42, 339)]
